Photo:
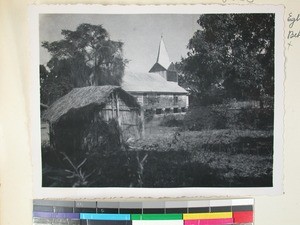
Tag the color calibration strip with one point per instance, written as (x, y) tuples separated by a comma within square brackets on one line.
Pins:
[(203, 212)]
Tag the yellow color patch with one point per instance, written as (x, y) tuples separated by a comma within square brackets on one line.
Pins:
[(217, 215)]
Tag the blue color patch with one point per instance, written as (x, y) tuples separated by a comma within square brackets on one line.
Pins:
[(103, 216)]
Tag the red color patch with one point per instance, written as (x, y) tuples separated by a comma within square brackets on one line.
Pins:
[(243, 217)]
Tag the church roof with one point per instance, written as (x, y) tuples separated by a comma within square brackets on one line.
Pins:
[(162, 56), (149, 82)]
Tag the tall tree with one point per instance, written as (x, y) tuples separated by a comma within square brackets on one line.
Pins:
[(86, 56), (56, 82), (231, 55)]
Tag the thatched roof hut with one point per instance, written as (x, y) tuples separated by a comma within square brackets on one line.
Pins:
[(80, 98), (82, 119)]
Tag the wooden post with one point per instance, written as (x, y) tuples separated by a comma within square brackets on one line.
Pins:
[(112, 105), (115, 96), (142, 131), (118, 110)]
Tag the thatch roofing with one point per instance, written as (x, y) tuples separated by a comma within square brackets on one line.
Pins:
[(149, 82), (85, 96)]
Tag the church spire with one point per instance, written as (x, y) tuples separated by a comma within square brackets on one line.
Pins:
[(162, 56), (163, 60)]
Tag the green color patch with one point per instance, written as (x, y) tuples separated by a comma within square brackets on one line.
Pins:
[(156, 216)]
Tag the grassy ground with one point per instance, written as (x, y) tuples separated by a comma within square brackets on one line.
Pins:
[(236, 157), (168, 156)]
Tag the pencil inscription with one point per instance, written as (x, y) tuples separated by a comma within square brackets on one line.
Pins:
[(293, 20)]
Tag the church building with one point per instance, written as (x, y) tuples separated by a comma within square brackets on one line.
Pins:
[(158, 90)]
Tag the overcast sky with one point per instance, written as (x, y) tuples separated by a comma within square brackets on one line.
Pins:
[(140, 34)]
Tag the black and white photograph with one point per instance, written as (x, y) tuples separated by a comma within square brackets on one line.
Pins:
[(157, 100)]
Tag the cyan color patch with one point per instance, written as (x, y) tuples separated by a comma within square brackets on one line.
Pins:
[(103, 216)]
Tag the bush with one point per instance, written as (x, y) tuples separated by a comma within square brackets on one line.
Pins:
[(101, 160), (202, 118), (172, 121), (255, 118), (149, 114), (176, 169), (224, 117)]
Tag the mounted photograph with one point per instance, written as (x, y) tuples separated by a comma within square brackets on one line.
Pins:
[(153, 99)]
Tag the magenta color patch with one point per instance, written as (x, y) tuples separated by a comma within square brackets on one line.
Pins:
[(209, 222)]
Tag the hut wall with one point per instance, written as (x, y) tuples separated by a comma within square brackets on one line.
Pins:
[(129, 118)]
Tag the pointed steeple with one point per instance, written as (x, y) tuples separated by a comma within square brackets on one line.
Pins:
[(163, 60), (163, 57)]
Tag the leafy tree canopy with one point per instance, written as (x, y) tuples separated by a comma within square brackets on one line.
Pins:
[(84, 57), (230, 56)]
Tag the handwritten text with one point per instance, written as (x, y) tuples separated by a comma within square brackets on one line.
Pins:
[(293, 34), (292, 21)]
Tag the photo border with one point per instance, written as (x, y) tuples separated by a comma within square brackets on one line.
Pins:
[(134, 193)]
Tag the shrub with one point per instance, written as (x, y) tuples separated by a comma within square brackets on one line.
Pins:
[(255, 118), (101, 160), (224, 117), (172, 121), (202, 118), (176, 169), (149, 114)]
